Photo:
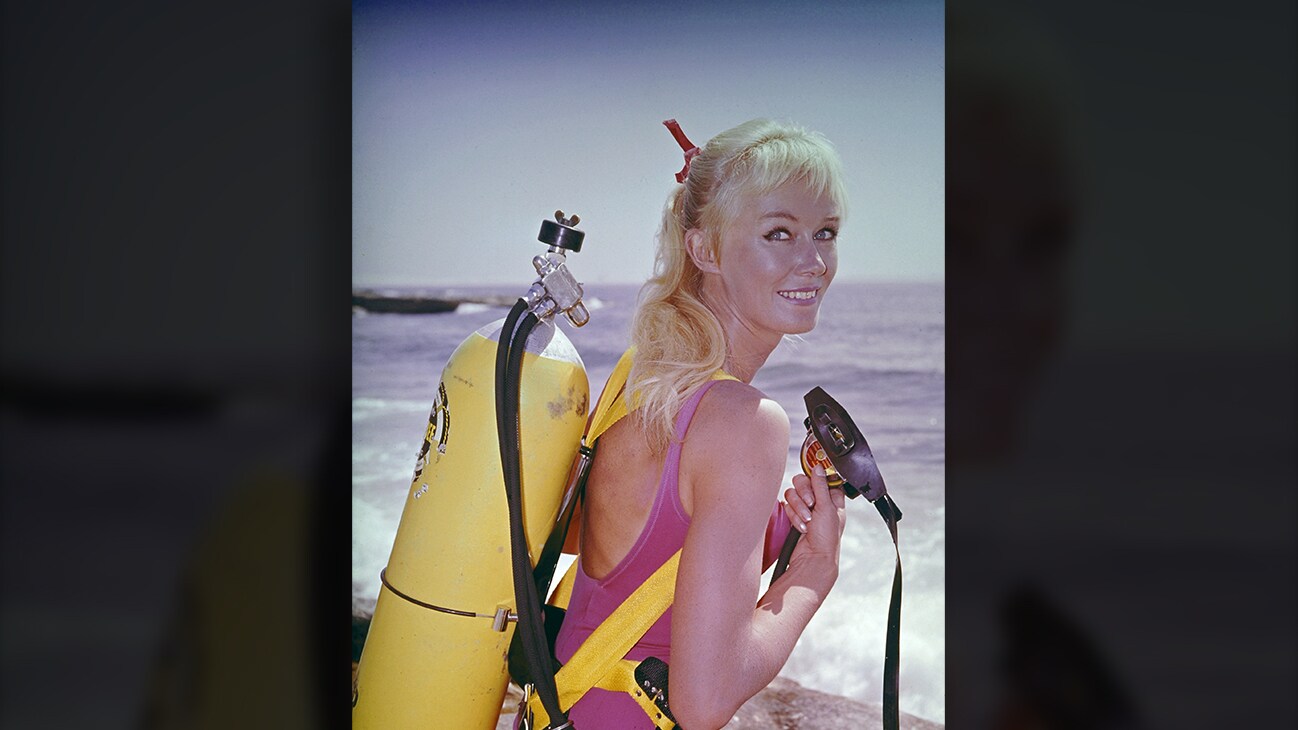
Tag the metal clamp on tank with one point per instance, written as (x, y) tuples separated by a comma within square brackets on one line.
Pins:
[(556, 290)]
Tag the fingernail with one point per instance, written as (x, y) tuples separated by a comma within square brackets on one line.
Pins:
[(806, 514), (802, 527), (819, 470)]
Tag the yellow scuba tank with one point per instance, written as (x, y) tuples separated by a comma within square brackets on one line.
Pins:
[(436, 651)]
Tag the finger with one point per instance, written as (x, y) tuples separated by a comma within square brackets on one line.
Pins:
[(795, 506), (802, 483), (819, 485), (795, 497), (795, 515)]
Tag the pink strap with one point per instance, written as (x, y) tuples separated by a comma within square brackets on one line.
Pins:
[(686, 414)]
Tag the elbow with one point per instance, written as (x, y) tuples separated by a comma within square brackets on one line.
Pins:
[(702, 720), (696, 711)]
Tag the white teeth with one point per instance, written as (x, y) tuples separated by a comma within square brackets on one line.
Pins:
[(798, 294)]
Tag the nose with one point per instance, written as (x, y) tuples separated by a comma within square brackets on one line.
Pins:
[(812, 261)]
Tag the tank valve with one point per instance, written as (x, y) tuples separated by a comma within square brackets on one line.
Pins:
[(556, 290)]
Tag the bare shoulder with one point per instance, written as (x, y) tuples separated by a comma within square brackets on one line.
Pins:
[(733, 411), (737, 441)]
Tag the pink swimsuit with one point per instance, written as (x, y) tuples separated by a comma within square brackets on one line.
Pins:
[(592, 601)]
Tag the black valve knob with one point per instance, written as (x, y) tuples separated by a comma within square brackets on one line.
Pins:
[(560, 232)]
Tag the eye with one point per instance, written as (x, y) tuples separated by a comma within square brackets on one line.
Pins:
[(779, 234), (827, 234)]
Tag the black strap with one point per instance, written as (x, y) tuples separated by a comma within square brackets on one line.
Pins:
[(892, 644)]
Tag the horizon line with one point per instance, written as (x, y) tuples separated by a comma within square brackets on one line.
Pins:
[(443, 285)]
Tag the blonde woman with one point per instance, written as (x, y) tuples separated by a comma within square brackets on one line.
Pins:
[(746, 251)]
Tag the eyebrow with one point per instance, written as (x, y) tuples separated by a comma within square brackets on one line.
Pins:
[(792, 217)]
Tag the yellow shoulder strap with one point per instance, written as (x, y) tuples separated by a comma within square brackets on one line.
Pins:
[(612, 402)]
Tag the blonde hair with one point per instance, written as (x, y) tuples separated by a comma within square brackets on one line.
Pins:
[(679, 343)]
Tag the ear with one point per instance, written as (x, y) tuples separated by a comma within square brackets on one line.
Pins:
[(700, 253)]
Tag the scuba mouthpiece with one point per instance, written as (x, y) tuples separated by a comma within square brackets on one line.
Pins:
[(843, 446), (556, 290)]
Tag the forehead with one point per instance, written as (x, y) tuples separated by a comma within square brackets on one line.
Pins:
[(794, 198)]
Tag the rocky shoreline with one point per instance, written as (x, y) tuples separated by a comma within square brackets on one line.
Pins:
[(372, 301), (784, 704)]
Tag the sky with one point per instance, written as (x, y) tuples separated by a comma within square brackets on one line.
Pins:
[(472, 124)]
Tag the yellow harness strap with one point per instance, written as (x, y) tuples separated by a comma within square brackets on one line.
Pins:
[(599, 662), (621, 678), (612, 402), (602, 652), (610, 412)]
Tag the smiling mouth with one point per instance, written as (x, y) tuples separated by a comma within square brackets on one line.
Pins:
[(800, 296)]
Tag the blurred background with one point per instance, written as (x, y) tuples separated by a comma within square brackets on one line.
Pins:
[(1120, 350), (174, 363)]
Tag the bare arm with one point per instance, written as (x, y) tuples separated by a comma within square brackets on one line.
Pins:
[(726, 643)]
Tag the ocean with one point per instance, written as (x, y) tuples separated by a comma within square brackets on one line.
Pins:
[(878, 350)]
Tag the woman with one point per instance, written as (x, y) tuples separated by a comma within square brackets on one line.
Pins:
[(745, 254)]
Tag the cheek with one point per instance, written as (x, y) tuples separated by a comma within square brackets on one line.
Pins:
[(757, 266)]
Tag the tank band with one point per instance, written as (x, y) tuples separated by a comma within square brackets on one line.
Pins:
[(383, 576)]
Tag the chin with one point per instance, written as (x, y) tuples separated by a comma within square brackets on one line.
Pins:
[(803, 325)]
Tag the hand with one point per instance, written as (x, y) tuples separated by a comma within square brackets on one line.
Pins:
[(816, 511)]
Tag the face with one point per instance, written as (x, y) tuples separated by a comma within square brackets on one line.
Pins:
[(777, 258)]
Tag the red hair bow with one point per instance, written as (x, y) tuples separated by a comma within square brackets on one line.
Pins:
[(691, 150)]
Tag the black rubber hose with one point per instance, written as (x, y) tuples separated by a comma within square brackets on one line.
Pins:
[(786, 552), (509, 363)]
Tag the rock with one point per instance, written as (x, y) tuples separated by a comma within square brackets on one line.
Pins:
[(783, 705), (787, 704), (402, 305), (424, 303)]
